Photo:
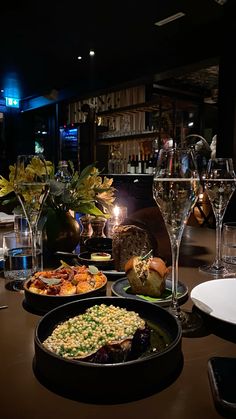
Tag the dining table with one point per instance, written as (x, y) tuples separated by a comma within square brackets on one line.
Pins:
[(188, 396)]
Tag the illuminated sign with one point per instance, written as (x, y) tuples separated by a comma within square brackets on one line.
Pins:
[(12, 102)]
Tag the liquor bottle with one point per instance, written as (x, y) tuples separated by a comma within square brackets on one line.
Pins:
[(63, 174), (139, 164), (110, 165), (144, 163), (150, 165), (147, 163), (132, 166), (129, 165)]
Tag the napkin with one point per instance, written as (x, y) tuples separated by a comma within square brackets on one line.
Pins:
[(6, 218)]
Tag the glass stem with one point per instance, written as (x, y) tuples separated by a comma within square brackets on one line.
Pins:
[(218, 262), (34, 247), (175, 244)]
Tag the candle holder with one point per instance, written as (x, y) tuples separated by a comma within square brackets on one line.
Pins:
[(119, 214)]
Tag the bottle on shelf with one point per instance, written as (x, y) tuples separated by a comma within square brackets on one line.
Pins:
[(144, 163), (129, 165), (133, 165), (110, 165), (150, 165), (138, 164), (63, 174)]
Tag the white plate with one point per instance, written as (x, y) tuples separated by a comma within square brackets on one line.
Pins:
[(217, 298), (6, 218)]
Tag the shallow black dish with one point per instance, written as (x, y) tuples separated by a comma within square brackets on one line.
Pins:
[(98, 244), (84, 258), (121, 288), (109, 383), (44, 303)]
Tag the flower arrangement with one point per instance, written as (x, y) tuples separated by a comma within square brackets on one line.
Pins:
[(86, 192)]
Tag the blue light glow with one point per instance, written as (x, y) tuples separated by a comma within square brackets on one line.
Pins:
[(12, 102)]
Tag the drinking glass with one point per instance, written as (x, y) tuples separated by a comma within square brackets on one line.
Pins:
[(229, 244), (220, 184), (31, 185), (175, 189), (18, 257)]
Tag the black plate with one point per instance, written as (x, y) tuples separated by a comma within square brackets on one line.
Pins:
[(41, 304), (109, 383), (121, 288), (85, 259)]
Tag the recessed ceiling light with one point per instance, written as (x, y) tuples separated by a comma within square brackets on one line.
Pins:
[(91, 53), (79, 57), (169, 19)]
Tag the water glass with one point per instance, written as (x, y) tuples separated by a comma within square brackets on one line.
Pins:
[(229, 243), (17, 253), (20, 223)]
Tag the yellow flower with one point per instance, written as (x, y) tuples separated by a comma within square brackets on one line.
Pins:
[(83, 193)]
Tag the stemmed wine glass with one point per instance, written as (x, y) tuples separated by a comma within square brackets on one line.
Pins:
[(31, 186), (220, 184), (175, 189)]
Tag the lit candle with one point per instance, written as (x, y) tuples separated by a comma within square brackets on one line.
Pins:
[(116, 212)]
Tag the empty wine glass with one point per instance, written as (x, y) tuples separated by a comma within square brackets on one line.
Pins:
[(31, 186), (220, 184), (175, 190)]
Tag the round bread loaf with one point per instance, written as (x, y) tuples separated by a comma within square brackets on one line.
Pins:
[(128, 241), (146, 277)]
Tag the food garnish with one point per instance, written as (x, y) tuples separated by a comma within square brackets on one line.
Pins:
[(66, 280), (103, 333)]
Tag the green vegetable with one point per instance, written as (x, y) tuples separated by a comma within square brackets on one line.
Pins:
[(93, 269), (50, 281)]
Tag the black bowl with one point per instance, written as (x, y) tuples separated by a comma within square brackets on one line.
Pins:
[(109, 383), (99, 244), (41, 304), (85, 259)]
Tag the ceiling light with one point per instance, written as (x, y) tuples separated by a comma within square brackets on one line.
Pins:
[(91, 53), (79, 57), (169, 19), (221, 2)]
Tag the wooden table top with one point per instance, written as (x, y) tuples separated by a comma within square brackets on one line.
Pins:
[(189, 396)]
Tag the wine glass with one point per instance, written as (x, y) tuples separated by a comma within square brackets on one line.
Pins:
[(31, 184), (175, 189), (220, 184)]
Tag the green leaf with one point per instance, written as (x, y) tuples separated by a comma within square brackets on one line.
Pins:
[(90, 209), (50, 281), (93, 269), (86, 171)]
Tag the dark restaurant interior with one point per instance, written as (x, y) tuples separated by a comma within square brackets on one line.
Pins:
[(113, 85)]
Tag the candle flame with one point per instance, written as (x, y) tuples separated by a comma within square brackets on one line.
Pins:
[(116, 211)]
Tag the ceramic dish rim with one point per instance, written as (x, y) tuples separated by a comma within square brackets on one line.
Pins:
[(160, 303), (139, 360)]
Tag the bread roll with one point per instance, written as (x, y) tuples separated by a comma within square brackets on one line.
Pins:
[(146, 277), (128, 241)]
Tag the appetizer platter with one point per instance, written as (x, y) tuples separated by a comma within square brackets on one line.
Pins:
[(121, 288), (46, 290), (147, 279), (102, 260), (78, 343)]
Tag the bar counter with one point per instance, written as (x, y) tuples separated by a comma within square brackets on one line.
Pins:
[(189, 396)]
